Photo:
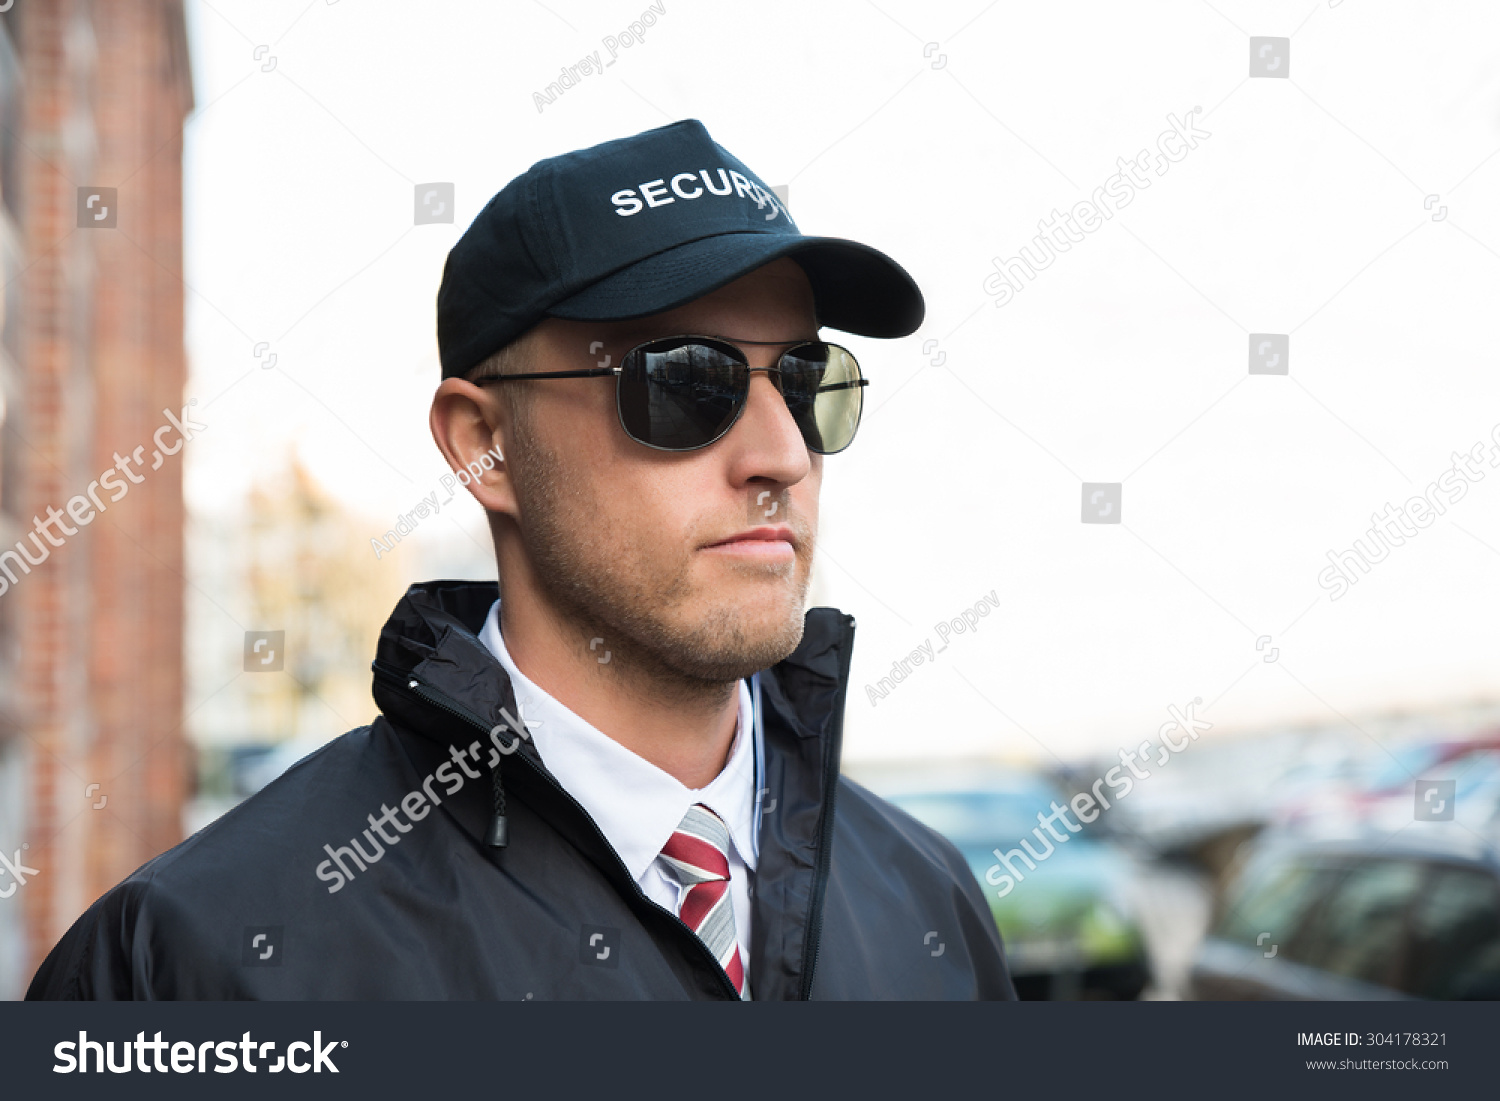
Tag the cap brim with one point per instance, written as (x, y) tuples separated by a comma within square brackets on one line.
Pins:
[(857, 289)]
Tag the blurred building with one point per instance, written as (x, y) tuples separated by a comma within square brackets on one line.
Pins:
[(292, 566), (94, 767)]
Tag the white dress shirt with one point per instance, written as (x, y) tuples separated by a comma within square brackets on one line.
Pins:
[(636, 805)]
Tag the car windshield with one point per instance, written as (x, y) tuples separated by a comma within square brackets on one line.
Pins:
[(977, 817)]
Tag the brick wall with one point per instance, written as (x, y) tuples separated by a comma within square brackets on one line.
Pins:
[(106, 89)]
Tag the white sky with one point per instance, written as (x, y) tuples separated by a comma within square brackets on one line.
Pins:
[(1126, 360)]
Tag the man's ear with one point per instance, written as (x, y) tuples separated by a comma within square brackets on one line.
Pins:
[(471, 427)]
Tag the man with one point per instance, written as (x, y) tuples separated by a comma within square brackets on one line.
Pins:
[(620, 778)]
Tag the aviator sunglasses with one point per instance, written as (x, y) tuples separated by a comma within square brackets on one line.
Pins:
[(680, 393)]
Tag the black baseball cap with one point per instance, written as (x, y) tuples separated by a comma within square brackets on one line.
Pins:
[(640, 225)]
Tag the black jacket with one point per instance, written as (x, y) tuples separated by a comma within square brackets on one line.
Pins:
[(851, 897)]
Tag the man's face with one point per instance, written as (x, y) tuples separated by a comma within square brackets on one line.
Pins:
[(671, 556)]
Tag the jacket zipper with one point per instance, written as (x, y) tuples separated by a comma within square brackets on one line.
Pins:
[(437, 699), (825, 838)]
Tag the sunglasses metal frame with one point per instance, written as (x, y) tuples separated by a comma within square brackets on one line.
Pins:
[(720, 344)]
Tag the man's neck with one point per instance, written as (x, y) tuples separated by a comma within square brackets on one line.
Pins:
[(685, 728)]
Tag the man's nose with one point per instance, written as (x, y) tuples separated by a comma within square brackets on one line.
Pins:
[(772, 442)]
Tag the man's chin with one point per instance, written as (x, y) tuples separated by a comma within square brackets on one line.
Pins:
[(733, 642)]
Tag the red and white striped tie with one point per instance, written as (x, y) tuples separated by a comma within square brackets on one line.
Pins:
[(697, 856)]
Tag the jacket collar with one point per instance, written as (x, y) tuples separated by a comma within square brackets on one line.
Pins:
[(436, 680), (433, 634)]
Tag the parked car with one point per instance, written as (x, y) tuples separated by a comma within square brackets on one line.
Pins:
[(1070, 925), (1472, 765), (1376, 917)]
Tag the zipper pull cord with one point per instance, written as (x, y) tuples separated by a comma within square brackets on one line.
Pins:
[(499, 833)]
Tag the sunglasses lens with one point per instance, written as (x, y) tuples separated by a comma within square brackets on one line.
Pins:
[(825, 393), (680, 393)]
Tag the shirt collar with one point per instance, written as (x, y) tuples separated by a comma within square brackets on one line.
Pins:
[(636, 805)]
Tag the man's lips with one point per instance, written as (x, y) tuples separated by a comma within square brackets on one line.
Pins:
[(763, 534), (766, 542)]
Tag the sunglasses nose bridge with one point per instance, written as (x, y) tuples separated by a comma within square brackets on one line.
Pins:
[(773, 374), (776, 426)]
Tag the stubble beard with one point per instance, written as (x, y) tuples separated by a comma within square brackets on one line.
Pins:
[(634, 604)]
